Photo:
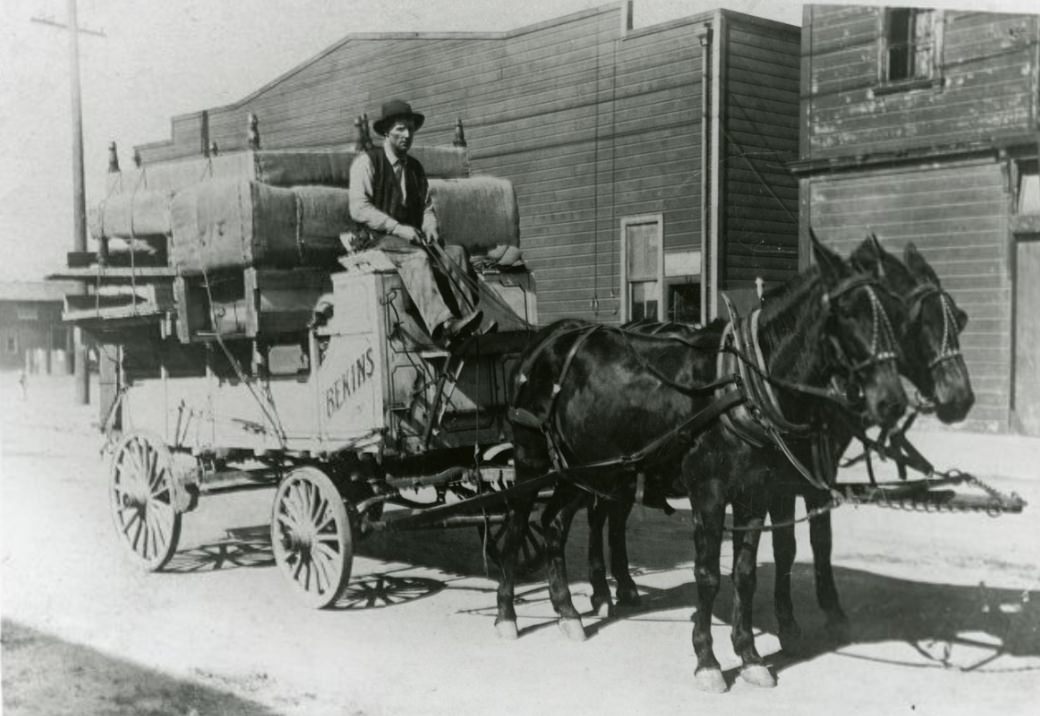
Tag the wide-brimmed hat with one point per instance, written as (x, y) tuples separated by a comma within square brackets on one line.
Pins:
[(395, 109)]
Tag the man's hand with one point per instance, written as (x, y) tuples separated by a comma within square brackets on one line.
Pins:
[(408, 233)]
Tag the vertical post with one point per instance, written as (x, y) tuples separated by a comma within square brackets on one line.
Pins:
[(79, 201)]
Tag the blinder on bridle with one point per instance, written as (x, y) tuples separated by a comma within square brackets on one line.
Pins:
[(949, 347), (883, 345)]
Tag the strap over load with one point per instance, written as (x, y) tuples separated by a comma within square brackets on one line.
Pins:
[(276, 167), (232, 223)]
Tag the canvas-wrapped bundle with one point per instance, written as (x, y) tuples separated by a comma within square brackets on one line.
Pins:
[(138, 214), (479, 213), (330, 167), (233, 223)]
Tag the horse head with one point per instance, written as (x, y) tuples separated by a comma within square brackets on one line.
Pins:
[(930, 350), (861, 341)]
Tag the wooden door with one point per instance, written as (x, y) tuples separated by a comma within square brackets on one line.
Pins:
[(1026, 415)]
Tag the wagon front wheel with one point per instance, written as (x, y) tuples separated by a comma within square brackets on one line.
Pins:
[(141, 492), (312, 536)]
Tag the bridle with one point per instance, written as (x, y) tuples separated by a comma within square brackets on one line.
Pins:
[(949, 348), (882, 337)]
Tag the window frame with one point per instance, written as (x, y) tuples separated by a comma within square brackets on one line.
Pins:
[(933, 78), (626, 222)]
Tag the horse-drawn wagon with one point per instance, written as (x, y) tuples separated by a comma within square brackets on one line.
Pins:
[(246, 348)]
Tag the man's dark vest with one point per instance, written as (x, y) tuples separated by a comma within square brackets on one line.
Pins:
[(386, 193)]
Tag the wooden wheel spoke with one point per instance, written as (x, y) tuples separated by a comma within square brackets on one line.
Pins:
[(311, 531), (141, 500)]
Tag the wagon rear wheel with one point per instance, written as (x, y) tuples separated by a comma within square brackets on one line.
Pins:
[(530, 557), (141, 492), (312, 536)]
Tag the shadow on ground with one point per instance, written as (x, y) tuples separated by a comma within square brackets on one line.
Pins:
[(44, 675)]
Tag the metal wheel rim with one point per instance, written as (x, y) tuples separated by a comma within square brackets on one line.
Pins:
[(311, 536), (142, 500)]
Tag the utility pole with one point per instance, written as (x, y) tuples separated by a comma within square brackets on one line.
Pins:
[(79, 201)]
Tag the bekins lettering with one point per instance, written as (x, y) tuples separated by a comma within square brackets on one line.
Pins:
[(356, 375)]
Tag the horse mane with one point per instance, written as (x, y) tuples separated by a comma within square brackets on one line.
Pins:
[(791, 323)]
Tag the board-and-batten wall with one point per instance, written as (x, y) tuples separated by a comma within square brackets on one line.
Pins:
[(949, 192), (592, 122)]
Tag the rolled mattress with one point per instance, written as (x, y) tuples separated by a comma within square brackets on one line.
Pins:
[(230, 223)]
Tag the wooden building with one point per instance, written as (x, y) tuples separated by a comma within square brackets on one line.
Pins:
[(649, 164), (922, 125), (32, 335)]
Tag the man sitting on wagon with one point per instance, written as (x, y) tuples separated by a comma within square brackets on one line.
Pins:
[(390, 201)]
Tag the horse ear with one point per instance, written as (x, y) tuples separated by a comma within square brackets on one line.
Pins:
[(831, 265), (917, 264), (867, 256)]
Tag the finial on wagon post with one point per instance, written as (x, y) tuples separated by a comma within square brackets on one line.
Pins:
[(460, 134), (137, 157), (254, 132), (113, 158), (760, 287)]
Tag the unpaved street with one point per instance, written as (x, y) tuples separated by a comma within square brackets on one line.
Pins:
[(945, 609)]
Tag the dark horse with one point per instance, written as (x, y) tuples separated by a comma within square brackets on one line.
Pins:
[(930, 358), (587, 397)]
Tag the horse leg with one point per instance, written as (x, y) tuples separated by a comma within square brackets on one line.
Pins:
[(532, 460), (821, 539), (709, 513), (620, 509), (781, 510), (602, 604), (748, 515), (556, 519), (516, 524)]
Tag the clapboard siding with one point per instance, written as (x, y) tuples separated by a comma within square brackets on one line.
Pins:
[(956, 215), (987, 88), (591, 123), (760, 135)]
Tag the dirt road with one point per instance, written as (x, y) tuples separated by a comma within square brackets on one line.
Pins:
[(945, 612)]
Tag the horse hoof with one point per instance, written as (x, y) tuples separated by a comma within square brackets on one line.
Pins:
[(573, 629), (791, 639), (758, 675), (507, 630), (602, 607), (628, 597), (710, 681)]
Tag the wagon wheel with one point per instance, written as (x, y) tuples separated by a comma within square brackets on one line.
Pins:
[(531, 555), (312, 536), (141, 492)]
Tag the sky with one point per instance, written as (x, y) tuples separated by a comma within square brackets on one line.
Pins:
[(161, 58)]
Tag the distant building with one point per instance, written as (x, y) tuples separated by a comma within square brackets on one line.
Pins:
[(921, 125), (32, 335)]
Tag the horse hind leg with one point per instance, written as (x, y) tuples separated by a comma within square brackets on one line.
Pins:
[(556, 519), (781, 511), (619, 510), (601, 601), (748, 514)]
